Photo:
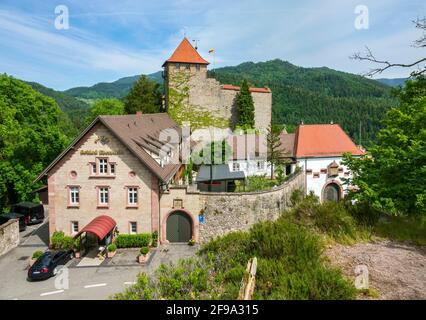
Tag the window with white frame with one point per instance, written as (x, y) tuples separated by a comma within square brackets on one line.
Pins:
[(103, 166), (74, 227), (260, 165), (133, 227), (93, 167), (132, 195), (235, 166), (103, 196), (74, 195), (112, 168)]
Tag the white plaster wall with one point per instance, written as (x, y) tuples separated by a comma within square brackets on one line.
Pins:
[(316, 164), (250, 167)]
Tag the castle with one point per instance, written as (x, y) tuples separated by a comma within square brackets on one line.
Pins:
[(190, 95)]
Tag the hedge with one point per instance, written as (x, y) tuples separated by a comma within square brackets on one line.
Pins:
[(133, 240), (59, 241)]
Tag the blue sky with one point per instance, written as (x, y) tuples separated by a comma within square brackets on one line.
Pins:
[(112, 39)]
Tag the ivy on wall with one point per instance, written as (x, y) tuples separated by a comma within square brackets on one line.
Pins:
[(180, 110)]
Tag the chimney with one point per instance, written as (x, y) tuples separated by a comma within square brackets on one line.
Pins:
[(139, 113)]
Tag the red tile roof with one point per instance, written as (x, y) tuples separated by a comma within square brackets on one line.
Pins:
[(235, 88), (320, 140), (186, 53), (138, 133)]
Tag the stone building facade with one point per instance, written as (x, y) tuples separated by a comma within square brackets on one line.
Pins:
[(113, 174), (186, 71)]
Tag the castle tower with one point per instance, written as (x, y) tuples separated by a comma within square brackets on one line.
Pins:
[(190, 95), (187, 59)]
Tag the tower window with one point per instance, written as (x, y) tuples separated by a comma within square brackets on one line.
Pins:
[(188, 66), (198, 67)]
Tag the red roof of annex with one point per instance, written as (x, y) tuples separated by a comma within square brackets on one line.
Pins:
[(319, 140)]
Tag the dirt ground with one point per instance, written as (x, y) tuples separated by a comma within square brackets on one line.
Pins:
[(396, 271)]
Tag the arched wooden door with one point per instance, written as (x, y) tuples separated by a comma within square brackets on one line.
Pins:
[(331, 192), (179, 227)]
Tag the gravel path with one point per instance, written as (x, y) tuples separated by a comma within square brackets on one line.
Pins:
[(396, 270)]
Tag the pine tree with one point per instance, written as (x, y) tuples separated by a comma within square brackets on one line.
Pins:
[(245, 107), (273, 141), (144, 96)]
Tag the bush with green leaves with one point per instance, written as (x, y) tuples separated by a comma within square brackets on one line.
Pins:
[(133, 240), (59, 241), (142, 290), (112, 247), (290, 263), (290, 266), (144, 251), (155, 238), (37, 254)]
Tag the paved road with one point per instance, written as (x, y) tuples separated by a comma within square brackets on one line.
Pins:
[(83, 283)]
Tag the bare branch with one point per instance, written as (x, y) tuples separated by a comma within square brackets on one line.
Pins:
[(384, 64)]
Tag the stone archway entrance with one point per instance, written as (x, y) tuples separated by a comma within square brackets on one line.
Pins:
[(179, 227), (332, 192)]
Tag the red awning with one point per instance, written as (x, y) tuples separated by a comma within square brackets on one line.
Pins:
[(100, 226)]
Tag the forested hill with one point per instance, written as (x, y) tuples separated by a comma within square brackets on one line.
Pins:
[(117, 89), (316, 95)]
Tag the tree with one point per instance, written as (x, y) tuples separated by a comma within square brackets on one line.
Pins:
[(273, 141), (384, 64), (105, 107), (144, 96), (392, 177), (245, 107), (30, 138)]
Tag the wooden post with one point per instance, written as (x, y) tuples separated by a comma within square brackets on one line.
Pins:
[(249, 280)]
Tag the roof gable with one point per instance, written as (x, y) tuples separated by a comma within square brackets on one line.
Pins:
[(138, 133), (320, 140), (186, 53)]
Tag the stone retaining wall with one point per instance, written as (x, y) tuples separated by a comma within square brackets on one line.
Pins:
[(227, 212), (9, 236)]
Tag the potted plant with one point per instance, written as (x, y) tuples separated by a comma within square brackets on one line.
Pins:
[(191, 242), (111, 250), (37, 254), (76, 247), (144, 255)]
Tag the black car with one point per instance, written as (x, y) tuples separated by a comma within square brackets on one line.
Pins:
[(33, 212), (48, 264), (6, 217)]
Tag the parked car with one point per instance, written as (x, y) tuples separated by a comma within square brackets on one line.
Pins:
[(48, 264), (33, 212), (11, 215)]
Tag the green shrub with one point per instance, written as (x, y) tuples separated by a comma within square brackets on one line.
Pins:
[(59, 241), (112, 247), (187, 280), (296, 197), (406, 229), (76, 244), (290, 263), (133, 240), (37, 254), (155, 238), (191, 242), (140, 291), (331, 218), (144, 250)]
